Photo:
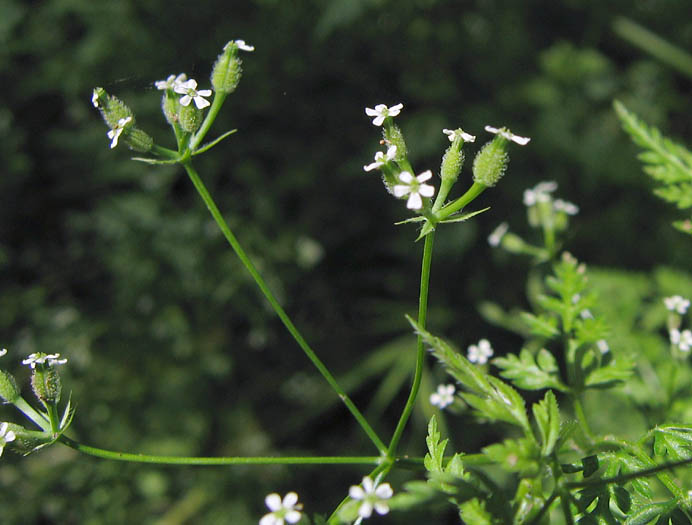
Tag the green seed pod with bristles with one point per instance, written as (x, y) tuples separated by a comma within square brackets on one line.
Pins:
[(227, 70), (392, 135), (491, 162), (8, 387), (190, 118), (138, 140), (46, 384)]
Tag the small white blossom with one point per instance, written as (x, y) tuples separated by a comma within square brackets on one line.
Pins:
[(5, 436), (381, 112), (243, 46), (522, 141), (3, 352), (171, 82), (189, 91), (481, 352), (495, 238), (382, 158), (95, 99), (41, 358), (414, 187), (286, 511), (603, 346), (586, 314), (114, 134), (443, 397), (565, 207), (372, 497), (683, 340), (539, 193), (452, 135), (677, 303)]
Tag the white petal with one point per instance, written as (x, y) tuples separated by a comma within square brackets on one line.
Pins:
[(204, 92), (522, 141), (3, 428), (401, 190), (491, 129), (391, 152), (381, 507), (368, 484), (426, 190), (290, 500), (243, 46), (384, 491), (95, 100), (273, 501), (185, 100), (450, 134), (371, 112), (365, 510), (381, 108), (356, 492), (378, 120), (405, 177), (269, 519), (414, 202), (427, 174), (372, 166), (292, 516), (10, 436), (395, 110), (201, 103)]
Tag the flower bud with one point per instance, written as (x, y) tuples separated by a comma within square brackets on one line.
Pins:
[(169, 105), (45, 381), (190, 118), (227, 70), (8, 387), (491, 162)]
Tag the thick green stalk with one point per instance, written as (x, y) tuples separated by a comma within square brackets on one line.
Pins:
[(474, 191), (420, 352), (213, 209)]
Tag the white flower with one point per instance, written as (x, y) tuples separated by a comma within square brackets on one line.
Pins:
[(5, 436), (452, 135), (3, 352), (677, 303), (372, 497), (481, 352), (539, 193), (114, 134), (171, 81), (683, 340), (287, 511), (565, 207), (381, 158), (41, 358), (522, 141), (495, 238), (243, 46), (603, 346), (443, 397), (414, 187), (189, 91), (381, 112), (586, 314)]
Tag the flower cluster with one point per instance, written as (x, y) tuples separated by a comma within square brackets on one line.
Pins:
[(41, 358), (443, 397), (481, 352)]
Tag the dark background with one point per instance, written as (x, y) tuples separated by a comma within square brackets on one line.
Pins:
[(118, 266)]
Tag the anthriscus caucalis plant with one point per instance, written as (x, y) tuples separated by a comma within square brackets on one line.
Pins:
[(555, 465)]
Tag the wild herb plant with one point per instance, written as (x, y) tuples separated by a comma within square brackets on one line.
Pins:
[(553, 466)]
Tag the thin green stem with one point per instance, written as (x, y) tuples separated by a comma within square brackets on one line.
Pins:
[(420, 352), (195, 460), (581, 418), (197, 138), (474, 191), (213, 209)]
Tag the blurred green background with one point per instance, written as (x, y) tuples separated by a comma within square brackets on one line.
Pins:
[(118, 266)]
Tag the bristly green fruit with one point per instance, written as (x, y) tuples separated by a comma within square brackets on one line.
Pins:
[(452, 161), (46, 384), (491, 162), (227, 70), (190, 118), (392, 136), (8, 387)]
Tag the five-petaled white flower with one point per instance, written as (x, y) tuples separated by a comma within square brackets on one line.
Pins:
[(41, 358), (114, 133), (3, 352), (539, 193), (683, 340), (677, 303), (603, 346), (381, 112), (414, 187), (495, 238), (382, 158), (5, 436), (372, 497), (443, 397), (522, 141), (481, 352), (452, 135), (243, 46), (565, 207), (286, 511), (189, 91), (171, 81)]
